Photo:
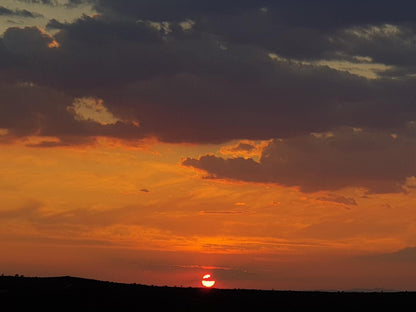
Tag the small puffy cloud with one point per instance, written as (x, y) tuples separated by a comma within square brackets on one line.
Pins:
[(187, 24), (371, 160), (244, 148), (89, 108)]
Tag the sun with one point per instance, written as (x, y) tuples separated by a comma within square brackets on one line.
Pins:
[(207, 281)]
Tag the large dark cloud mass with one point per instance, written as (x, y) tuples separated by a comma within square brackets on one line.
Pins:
[(377, 162), (212, 71)]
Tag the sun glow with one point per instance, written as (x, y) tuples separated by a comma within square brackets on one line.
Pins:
[(207, 281)]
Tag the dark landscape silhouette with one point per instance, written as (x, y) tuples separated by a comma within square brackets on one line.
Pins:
[(79, 294)]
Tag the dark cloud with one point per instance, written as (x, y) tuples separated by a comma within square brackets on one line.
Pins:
[(338, 199), (30, 110), (28, 211), (300, 28), (54, 24), (47, 2), (185, 86), (68, 3), (320, 13), (172, 10), (372, 160), (404, 255), (32, 212), (18, 12), (384, 43), (26, 45), (233, 274), (214, 71), (243, 147)]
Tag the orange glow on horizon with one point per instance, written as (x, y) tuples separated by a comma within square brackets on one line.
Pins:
[(83, 202)]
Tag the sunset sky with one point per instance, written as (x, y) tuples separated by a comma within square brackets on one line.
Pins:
[(269, 143)]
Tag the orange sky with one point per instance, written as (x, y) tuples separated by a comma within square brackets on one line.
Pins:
[(135, 214)]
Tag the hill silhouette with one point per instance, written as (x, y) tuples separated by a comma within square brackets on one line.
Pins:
[(78, 294)]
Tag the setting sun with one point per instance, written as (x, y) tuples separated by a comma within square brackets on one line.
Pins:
[(207, 281)]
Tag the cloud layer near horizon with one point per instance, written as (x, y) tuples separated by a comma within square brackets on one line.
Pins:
[(211, 72), (377, 162)]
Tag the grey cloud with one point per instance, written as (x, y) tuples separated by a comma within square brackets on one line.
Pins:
[(234, 168), (205, 85), (171, 10), (300, 29), (23, 48), (55, 24), (67, 3), (407, 254), (144, 78), (233, 274), (18, 12), (27, 110), (320, 13), (28, 211), (384, 43), (372, 160), (47, 2), (339, 199), (31, 211)]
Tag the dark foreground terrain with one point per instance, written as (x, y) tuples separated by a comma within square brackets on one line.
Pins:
[(78, 294)]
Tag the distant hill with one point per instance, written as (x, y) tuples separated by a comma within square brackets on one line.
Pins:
[(78, 294)]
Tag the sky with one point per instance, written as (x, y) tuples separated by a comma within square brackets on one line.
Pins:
[(271, 144)]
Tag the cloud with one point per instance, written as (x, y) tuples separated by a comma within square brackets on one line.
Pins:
[(407, 254), (28, 211), (56, 2), (47, 2), (21, 13), (378, 162), (338, 199), (322, 13), (201, 72), (245, 147), (222, 212), (32, 212), (26, 45), (386, 43), (54, 24), (92, 109), (31, 110), (269, 24)]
